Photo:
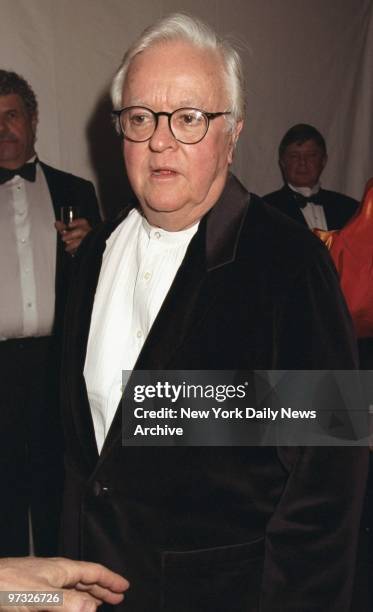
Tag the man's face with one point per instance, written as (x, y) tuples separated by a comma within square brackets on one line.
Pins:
[(175, 183), (302, 164), (17, 132)]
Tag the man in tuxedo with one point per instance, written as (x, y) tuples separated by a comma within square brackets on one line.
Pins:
[(34, 264), (302, 158), (198, 274)]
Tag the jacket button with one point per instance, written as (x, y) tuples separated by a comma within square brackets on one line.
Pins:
[(100, 489)]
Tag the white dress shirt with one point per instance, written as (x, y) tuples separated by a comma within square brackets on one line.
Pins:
[(138, 268), (27, 258), (313, 213)]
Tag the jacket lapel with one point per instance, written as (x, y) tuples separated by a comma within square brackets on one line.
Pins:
[(62, 262), (290, 206), (331, 212), (53, 186)]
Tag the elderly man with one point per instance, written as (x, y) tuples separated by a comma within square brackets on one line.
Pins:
[(200, 275), (302, 158), (34, 269)]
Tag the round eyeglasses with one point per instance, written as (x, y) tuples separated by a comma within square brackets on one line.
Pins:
[(187, 125)]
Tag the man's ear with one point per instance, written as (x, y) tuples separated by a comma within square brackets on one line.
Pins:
[(234, 138), (324, 161)]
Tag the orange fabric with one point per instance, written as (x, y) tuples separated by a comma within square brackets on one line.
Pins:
[(351, 249)]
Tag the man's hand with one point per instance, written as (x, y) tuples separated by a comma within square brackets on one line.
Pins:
[(73, 234), (85, 586)]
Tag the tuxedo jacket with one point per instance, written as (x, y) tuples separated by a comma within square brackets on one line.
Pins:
[(338, 208), (212, 529)]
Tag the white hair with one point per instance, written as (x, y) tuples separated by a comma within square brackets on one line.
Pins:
[(179, 26)]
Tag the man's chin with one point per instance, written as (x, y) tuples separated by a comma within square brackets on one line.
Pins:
[(10, 157), (166, 215), (303, 182), (162, 206)]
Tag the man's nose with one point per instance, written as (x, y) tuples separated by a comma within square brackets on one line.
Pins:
[(162, 138)]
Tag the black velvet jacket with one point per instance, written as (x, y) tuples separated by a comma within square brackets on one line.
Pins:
[(218, 529)]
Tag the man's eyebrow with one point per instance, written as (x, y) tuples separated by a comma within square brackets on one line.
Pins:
[(184, 103)]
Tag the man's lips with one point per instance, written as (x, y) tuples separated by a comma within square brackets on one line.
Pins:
[(7, 138), (164, 172)]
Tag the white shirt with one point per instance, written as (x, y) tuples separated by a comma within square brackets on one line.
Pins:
[(27, 258), (139, 265), (313, 213)]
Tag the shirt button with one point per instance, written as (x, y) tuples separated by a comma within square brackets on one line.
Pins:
[(139, 333), (147, 275), (23, 240), (29, 304), (157, 235)]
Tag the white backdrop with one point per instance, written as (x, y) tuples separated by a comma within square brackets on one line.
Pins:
[(306, 62)]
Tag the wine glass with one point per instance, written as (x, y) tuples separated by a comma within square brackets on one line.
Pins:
[(68, 214)]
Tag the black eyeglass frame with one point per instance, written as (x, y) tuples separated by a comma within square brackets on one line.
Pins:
[(209, 117)]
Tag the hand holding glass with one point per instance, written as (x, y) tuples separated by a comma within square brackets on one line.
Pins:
[(69, 214)]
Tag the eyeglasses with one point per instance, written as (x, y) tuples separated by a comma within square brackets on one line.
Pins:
[(187, 125)]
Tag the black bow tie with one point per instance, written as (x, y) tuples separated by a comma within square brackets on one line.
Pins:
[(302, 200), (27, 171)]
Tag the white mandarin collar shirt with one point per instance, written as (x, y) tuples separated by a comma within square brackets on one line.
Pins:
[(139, 265)]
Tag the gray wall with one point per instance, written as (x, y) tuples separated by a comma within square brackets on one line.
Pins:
[(305, 61)]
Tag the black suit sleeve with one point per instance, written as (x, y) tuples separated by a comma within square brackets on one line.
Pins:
[(311, 538), (85, 197), (68, 189), (314, 330)]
